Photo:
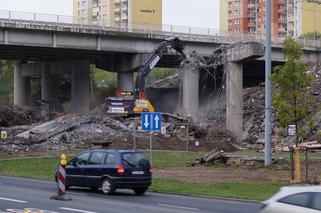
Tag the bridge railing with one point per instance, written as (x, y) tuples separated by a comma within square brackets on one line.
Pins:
[(63, 22)]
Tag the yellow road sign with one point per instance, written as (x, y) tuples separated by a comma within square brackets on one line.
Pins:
[(4, 135)]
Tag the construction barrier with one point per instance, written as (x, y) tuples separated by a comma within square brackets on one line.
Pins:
[(61, 180)]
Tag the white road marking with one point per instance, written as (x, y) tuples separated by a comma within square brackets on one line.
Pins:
[(179, 207), (76, 210), (76, 193), (13, 200)]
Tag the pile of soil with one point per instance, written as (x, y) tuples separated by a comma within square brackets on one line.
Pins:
[(18, 115)]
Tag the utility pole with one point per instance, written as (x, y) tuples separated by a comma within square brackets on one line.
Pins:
[(268, 87)]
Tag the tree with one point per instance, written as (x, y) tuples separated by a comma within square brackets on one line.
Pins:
[(291, 79), (6, 79)]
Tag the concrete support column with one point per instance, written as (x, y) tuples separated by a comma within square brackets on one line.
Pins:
[(80, 86), (22, 87), (125, 81), (49, 82), (234, 97), (191, 91)]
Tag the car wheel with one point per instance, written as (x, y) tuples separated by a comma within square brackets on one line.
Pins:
[(140, 191), (107, 187)]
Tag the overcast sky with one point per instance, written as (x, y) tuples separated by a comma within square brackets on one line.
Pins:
[(196, 13)]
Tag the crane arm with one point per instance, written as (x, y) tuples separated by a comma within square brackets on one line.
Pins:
[(151, 62)]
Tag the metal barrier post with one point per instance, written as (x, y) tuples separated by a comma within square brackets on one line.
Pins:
[(61, 181)]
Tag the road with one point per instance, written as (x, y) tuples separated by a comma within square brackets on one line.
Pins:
[(21, 193)]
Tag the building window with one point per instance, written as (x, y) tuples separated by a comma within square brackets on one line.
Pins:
[(252, 29), (237, 12), (251, 10), (237, 21)]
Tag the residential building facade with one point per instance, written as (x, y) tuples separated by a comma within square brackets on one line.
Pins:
[(118, 12), (289, 17)]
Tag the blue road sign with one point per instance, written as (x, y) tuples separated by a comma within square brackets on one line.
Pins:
[(151, 121)]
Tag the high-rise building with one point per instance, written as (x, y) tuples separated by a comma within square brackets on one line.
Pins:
[(289, 17), (118, 12)]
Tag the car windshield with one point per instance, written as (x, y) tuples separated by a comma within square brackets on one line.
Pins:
[(135, 159)]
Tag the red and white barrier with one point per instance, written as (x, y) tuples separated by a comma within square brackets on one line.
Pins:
[(61, 180)]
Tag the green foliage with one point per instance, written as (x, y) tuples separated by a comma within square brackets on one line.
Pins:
[(290, 99), (6, 79)]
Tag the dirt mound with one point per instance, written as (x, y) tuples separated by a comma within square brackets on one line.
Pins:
[(16, 116)]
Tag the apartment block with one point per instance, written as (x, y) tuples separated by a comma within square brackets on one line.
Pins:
[(289, 17), (118, 12)]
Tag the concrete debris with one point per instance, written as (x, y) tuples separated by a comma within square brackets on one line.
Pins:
[(82, 131), (312, 145), (232, 159)]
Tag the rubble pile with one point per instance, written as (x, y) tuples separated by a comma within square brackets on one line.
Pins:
[(15, 116), (253, 108), (232, 159), (253, 117), (81, 131)]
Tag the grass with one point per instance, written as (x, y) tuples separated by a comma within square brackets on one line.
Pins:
[(240, 190), (156, 74), (44, 168), (173, 159), (38, 168)]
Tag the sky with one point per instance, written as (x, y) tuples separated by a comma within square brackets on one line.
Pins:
[(195, 13)]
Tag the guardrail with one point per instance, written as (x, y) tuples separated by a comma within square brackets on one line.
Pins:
[(79, 24)]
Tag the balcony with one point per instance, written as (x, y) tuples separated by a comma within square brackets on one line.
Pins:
[(124, 17), (117, 10), (117, 1), (282, 20), (251, 24)]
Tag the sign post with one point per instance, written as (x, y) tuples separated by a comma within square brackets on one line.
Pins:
[(4, 135), (151, 121)]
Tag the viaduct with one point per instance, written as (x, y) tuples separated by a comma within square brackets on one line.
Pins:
[(50, 49)]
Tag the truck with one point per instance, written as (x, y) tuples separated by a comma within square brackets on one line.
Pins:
[(136, 102)]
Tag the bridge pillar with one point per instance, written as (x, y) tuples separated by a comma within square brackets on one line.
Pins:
[(234, 98), (191, 91), (22, 86), (236, 56), (80, 86), (49, 82), (125, 81)]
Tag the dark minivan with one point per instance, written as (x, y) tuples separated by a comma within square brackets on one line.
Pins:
[(110, 170)]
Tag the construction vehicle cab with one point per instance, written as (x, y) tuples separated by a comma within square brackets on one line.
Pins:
[(132, 102)]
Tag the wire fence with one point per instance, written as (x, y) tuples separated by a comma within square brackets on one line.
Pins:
[(83, 24)]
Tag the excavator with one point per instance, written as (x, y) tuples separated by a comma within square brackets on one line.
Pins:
[(136, 102)]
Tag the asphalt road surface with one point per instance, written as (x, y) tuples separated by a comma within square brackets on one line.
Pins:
[(32, 196)]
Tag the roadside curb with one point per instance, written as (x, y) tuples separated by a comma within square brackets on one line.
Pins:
[(209, 197)]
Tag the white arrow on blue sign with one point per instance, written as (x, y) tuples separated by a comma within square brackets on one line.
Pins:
[(151, 121)]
